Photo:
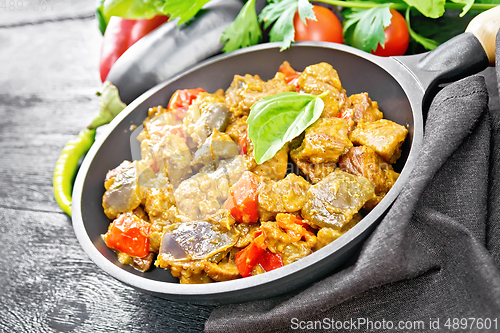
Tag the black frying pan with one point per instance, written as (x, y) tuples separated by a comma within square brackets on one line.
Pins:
[(402, 86)]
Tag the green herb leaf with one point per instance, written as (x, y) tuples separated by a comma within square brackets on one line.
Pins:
[(110, 105), (306, 11), (277, 119), (244, 31), (130, 9), (281, 14), (364, 28), (430, 8), (427, 43), (467, 5), (183, 9)]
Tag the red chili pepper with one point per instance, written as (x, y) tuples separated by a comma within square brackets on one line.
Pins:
[(291, 75), (120, 35), (183, 99), (247, 258), (242, 142), (129, 235), (242, 201), (269, 261)]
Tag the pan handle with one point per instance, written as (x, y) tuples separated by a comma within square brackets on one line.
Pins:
[(461, 56)]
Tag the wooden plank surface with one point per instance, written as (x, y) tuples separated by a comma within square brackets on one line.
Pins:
[(48, 80)]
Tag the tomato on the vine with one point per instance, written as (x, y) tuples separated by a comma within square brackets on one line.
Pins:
[(327, 28), (397, 37)]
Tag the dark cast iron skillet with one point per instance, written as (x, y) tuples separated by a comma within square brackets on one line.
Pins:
[(402, 86)]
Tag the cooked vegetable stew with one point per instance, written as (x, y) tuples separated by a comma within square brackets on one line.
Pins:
[(199, 204)]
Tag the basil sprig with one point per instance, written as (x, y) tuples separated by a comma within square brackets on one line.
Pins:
[(277, 119)]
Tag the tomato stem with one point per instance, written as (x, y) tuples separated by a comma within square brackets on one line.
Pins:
[(403, 6)]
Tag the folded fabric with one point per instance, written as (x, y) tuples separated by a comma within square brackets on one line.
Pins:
[(432, 257)]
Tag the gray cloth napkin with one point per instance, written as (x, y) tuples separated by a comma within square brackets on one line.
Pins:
[(435, 255)]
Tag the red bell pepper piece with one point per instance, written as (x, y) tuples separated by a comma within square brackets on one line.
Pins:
[(120, 35), (242, 201), (247, 258), (183, 98), (242, 143), (269, 261), (129, 234), (291, 75)]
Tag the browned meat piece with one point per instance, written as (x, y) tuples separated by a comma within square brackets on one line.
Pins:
[(286, 244), (244, 91), (122, 190), (316, 79), (237, 128), (141, 264), (225, 270), (205, 193), (208, 111), (217, 147), (284, 196), (333, 202), (364, 161), (170, 156), (274, 168), (321, 148), (327, 235), (360, 108), (190, 272), (383, 136)]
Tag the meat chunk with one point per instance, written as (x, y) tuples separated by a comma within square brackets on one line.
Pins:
[(383, 136), (327, 235), (208, 111), (290, 246), (321, 148), (225, 270), (316, 79), (333, 202), (204, 193), (364, 161), (217, 147), (284, 196), (123, 192), (170, 155), (360, 108), (244, 91), (237, 129), (274, 168)]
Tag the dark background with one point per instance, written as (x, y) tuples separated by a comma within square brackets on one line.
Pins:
[(48, 79)]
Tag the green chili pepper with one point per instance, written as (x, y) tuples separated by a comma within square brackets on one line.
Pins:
[(67, 165), (73, 151)]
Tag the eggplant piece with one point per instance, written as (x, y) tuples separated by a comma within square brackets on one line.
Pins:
[(334, 201), (170, 50), (193, 241)]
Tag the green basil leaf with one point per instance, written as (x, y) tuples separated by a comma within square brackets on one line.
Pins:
[(277, 119), (281, 14), (244, 31), (430, 8), (427, 43), (364, 28)]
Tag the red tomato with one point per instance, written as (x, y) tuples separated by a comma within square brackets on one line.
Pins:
[(129, 234), (397, 37), (242, 201), (183, 98), (327, 28), (247, 258)]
